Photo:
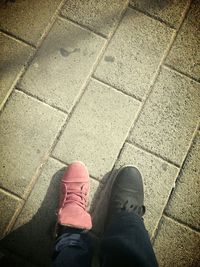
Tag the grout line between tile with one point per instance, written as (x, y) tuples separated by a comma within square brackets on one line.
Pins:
[(40, 100), (10, 193), (20, 74), (168, 24), (50, 24), (181, 73), (29, 189), (58, 160), (66, 163), (36, 48), (157, 228), (116, 89), (109, 36), (154, 154), (83, 27), (120, 151), (165, 54), (158, 225), (14, 218), (16, 212), (181, 223), (11, 89), (96, 179), (17, 38)]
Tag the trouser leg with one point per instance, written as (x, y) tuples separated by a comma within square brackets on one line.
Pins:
[(73, 248), (126, 243)]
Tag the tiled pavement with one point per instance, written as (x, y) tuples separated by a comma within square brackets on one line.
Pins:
[(109, 83)]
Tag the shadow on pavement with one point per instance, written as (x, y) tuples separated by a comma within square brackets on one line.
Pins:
[(32, 235)]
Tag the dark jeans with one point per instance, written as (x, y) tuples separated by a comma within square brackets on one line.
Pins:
[(125, 243)]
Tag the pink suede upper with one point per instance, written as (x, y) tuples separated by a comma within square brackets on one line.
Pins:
[(74, 191)]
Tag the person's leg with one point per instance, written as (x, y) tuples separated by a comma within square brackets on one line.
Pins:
[(126, 241), (73, 247)]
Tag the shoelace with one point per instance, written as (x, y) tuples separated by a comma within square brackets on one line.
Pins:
[(72, 194), (140, 210)]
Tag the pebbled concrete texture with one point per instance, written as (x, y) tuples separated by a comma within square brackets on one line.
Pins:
[(185, 206), (60, 69), (24, 144), (176, 245), (185, 54), (28, 19), (9, 205), (99, 127), (108, 83), (99, 16), (169, 117), (134, 54), (171, 12), (14, 56)]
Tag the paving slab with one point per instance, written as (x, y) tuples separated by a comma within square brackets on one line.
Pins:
[(27, 19), (185, 53), (30, 238), (13, 57), (169, 117), (177, 245), (28, 129), (170, 12), (97, 129), (158, 178), (184, 204), (8, 206), (99, 16), (134, 53), (62, 64)]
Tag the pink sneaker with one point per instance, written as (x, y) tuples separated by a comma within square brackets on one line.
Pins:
[(74, 191)]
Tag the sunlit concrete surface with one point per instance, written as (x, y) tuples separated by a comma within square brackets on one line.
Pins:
[(108, 83)]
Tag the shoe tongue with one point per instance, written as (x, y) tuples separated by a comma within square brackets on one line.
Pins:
[(75, 193), (74, 196)]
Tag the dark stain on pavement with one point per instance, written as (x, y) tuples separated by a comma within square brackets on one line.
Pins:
[(66, 53), (109, 59), (164, 166)]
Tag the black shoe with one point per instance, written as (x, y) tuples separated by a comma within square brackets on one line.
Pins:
[(127, 193)]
